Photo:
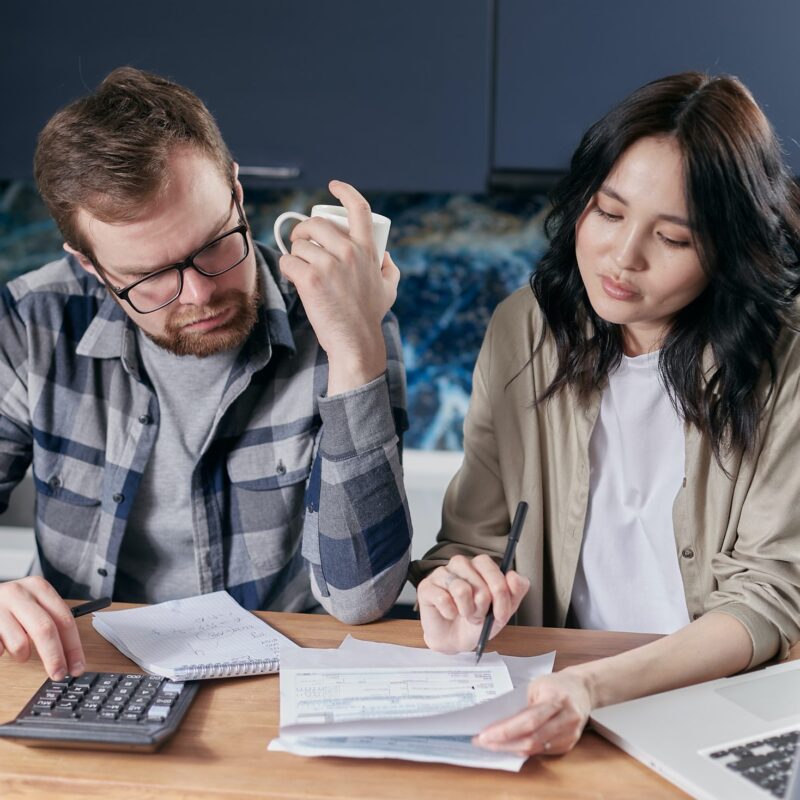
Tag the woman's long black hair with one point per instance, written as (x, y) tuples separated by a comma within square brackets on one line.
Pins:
[(743, 209)]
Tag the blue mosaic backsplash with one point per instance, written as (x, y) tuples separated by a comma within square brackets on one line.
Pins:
[(459, 256)]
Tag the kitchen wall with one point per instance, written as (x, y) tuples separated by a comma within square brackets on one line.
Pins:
[(459, 256)]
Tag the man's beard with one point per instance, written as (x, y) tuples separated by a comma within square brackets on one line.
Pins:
[(176, 339)]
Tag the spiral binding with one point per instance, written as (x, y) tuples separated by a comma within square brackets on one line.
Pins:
[(226, 669)]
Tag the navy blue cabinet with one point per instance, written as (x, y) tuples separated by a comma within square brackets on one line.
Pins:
[(385, 95), (561, 65)]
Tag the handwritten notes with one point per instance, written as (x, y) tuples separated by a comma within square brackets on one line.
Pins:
[(206, 636)]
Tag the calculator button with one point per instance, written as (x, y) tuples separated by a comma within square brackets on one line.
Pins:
[(85, 680), (43, 703), (165, 699), (105, 714), (128, 716), (157, 713)]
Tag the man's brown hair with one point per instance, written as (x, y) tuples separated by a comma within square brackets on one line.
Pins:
[(107, 153)]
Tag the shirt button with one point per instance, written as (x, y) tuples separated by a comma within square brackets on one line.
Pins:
[(102, 572), (280, 469), (118, 498), (145, 419), (54, 482), (687, 552)]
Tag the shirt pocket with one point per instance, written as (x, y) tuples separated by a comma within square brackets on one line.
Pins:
[(271, 465), (267, 507), (68, 510), (68, 480)]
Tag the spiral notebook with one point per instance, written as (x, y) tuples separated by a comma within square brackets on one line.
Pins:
[(208, 636)]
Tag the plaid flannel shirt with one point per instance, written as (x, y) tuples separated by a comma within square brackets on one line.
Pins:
[(296, 497)]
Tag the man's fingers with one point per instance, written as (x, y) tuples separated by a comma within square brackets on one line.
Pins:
[(66, 626), (14, 639), (42, 631), (359, 214), (327, 235), (390, 270)]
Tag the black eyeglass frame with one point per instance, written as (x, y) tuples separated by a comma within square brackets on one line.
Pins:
[(182, 266)]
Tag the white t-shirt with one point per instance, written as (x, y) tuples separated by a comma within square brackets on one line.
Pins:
[(628, 577)]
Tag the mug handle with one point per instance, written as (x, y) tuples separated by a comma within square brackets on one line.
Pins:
[(276, 228)]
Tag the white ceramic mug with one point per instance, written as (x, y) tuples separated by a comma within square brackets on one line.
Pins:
[(338, 216)]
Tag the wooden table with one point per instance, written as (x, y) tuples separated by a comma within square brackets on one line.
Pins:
[(220, 751)]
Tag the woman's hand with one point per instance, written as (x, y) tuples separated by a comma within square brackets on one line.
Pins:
[(454, 601), (557, 712)]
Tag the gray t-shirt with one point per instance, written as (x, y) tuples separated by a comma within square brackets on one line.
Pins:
[(157, 557)]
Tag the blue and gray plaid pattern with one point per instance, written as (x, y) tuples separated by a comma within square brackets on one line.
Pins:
[(297, 496)]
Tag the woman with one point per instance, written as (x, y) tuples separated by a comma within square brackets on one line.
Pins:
[(642, 397)]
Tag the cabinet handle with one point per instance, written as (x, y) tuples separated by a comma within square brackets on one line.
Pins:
[(272, 173)]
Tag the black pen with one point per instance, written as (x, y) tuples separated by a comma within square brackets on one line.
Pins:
[(91, 605), (508, 557)]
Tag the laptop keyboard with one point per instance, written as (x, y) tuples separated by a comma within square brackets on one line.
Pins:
[(766, 762)]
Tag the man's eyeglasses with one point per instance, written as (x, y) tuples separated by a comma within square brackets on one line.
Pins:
[(214, 258)]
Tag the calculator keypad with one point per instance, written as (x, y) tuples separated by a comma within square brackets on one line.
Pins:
[(104, 697)]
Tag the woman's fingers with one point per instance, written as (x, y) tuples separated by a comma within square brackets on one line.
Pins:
[(558, 708), (520, 725)]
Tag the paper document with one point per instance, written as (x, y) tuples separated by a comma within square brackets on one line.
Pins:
[(208, 636), (375, 700)]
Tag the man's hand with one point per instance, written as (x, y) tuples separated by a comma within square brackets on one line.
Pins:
[(558, 708), (344, 292), (32, 612), (454, 600)]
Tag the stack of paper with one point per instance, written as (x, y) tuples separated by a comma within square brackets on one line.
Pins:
[(373, 700)]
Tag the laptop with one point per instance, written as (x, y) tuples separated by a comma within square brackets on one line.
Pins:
[(730, 739)]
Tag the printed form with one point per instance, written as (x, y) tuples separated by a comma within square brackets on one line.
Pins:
[(373, 700)]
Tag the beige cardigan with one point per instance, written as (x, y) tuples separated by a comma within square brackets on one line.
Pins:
[(737, 538)]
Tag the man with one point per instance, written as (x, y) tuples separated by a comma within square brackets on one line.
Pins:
[(198, 415)]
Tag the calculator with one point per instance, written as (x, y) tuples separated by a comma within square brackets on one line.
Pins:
[(103, 711)]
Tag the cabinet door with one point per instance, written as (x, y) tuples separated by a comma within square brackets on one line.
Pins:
[(386, 95), (562, 65)]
